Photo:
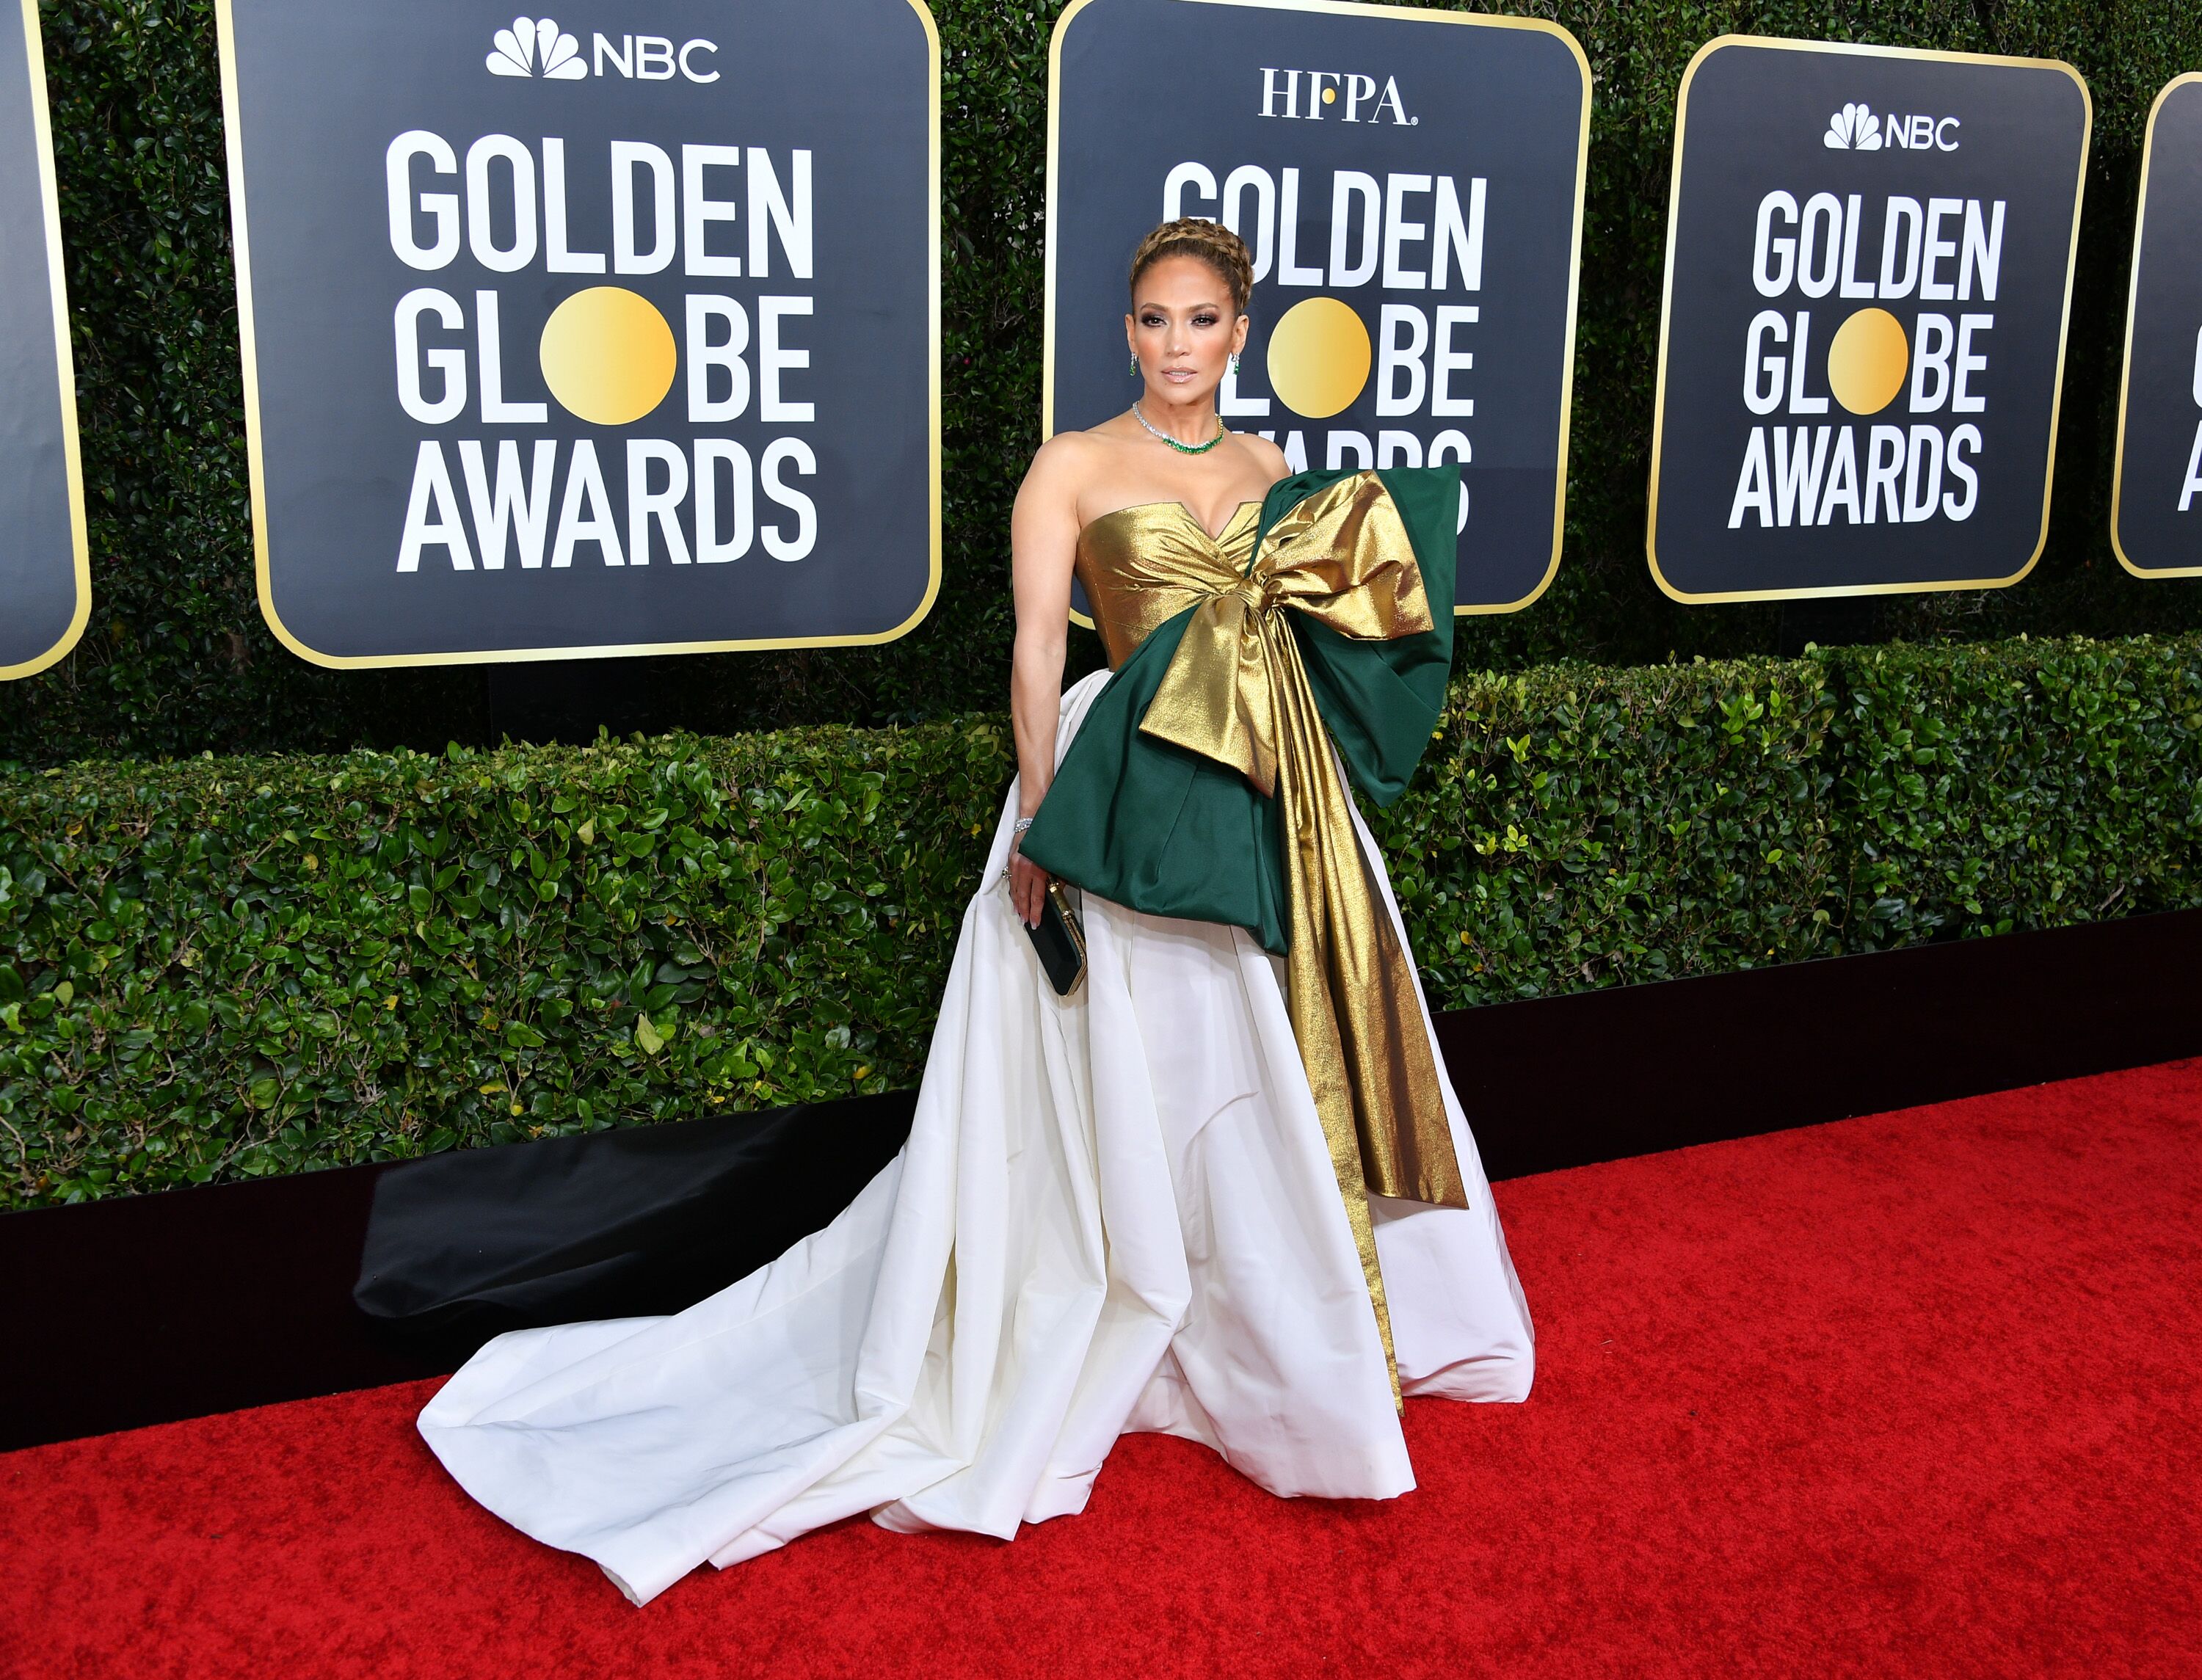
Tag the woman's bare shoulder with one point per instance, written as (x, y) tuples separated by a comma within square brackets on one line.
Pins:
[(1069, 462), (1266, 455), (1071, 452), (1059, 464)]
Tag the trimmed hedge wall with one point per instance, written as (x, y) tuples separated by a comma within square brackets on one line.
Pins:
[(222, 968), (176, 658)]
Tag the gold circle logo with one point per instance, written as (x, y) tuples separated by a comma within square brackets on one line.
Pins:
[(608, 356), (1866, 360), (1319, 356)]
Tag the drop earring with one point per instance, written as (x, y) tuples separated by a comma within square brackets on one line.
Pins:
[(1234, 365), (1135, 364)]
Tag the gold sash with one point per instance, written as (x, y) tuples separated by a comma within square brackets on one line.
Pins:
[(1237, 693)]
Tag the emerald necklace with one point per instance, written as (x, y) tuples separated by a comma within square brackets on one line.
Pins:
[(1221, 432)]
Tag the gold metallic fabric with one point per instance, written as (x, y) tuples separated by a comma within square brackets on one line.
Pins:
[(1138, 564), (1237, 692)]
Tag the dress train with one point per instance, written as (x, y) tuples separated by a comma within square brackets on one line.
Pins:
[(1115, 1212)]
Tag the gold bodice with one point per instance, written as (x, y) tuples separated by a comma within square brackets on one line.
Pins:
[(1143, 565)]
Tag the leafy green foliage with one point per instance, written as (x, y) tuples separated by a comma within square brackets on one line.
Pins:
[(2021, 786), (227, 968), (176, 658), (221, 968), (1580, 827)]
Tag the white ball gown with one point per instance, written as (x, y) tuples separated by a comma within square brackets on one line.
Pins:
[(1115, 1211)]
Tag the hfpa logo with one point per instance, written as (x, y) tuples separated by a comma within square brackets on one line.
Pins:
[(1855, 128), (538, 48), (1281, 97)]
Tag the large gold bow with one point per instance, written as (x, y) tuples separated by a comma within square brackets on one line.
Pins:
[(1237, 692), (1342, 556)]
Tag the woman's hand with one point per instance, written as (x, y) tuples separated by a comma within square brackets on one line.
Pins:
[(1028, 884)]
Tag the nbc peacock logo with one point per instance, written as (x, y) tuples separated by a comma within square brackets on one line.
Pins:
[(537, 47), (1853, 128)]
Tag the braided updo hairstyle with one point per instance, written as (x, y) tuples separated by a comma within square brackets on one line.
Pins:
[(1208, 242)]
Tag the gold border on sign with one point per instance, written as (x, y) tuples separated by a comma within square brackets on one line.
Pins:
[(34, 54), (2125, 366), (1351, 9), (227, 39), (1667, 298)]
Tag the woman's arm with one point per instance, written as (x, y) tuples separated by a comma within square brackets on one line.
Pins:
[(1043, 542)]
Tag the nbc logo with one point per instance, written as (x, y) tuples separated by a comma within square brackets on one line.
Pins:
[(1853, 128), (536, 47)]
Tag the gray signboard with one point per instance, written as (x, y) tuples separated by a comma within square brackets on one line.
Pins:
[(2155, 498), (1410, 185), (614, 332), (1869, 266), (45, 583)]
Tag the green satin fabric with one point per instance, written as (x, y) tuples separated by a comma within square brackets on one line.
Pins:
[(1151, 826)]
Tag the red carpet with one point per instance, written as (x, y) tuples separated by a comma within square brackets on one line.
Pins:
[(1915, 1394)]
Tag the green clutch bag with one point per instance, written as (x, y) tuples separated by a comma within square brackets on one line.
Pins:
[(1060, 941)]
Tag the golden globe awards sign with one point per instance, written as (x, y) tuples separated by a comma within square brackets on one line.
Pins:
[(1868, 264), (2156, 499), (607, 333), (1410, 185), (45, 586)]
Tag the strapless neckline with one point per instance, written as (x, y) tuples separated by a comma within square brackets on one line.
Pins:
[(1191, 517), (1137, 564)]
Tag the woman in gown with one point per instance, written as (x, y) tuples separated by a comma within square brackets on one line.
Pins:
[(1223, 1188)]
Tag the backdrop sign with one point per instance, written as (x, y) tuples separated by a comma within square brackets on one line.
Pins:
[(45, 580), (2156, 497), (1411, 185), (1868, 265), (614, 332)]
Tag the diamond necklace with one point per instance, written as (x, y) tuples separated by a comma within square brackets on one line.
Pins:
[(1182, 449)]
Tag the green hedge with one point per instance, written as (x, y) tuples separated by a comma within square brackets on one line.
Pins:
[(236, 967), (2019, 785), (1580, 827), (222, 968), (176, 658)]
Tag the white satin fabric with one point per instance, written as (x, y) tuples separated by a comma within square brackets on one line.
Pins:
[(1115, 1212)]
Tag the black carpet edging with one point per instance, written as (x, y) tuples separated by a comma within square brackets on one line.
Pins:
[(151, 1309)]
